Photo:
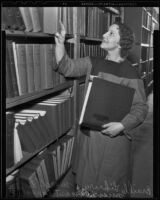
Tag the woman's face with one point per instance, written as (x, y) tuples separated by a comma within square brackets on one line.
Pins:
[(111, 38)]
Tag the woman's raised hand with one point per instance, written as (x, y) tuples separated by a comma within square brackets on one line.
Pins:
[(60, 37)]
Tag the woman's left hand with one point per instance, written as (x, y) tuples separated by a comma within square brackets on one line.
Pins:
[(112, 129)]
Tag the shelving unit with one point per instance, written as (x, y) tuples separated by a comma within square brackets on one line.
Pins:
[(21, 102), (146, 21)]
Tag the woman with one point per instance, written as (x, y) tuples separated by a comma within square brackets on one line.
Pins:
[(102, 161)]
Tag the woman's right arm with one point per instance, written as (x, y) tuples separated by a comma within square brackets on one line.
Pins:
[(65, 65)]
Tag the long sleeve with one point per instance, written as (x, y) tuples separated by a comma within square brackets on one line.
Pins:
[(139, 108), (74, 67)]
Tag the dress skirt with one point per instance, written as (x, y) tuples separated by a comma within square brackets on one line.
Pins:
[(102, 164)]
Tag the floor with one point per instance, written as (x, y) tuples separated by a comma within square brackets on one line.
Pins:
[(142, 175)]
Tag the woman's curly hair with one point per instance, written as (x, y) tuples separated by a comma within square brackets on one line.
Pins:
[(126, 38)]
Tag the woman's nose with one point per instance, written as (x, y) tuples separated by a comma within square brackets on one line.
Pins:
[(105, 35)]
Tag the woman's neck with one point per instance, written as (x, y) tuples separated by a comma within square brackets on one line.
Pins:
[(114, 57)]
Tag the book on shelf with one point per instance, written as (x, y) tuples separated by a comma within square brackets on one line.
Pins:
[(47, 168), (29, 183), (50, 19), (9, 86), (46, 65), (54, 151), (20, 66), (26, 136), (51, 117), (9, 139), (35, 165), (30, 67), (26, 18), (18, 155), (13, 185), (39, 122), (103, 107), (10, 64), (35, 19)]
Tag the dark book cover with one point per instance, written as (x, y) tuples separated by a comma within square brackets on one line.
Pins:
[(105, 102), (9, 84), (25, 139), (51, 116), (29, 183), (10, 59), (9, 140), (48, 160)]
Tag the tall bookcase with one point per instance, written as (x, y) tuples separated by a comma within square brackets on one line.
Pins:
[(144, 23)]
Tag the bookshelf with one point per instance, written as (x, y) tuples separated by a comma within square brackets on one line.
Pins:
[(64, 141), (146, 21)]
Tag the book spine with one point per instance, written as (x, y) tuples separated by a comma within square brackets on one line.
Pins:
[(35, 19), (22, 68), (9, 140), (9, 84), (37, 63), (26, 18), (30, 67)]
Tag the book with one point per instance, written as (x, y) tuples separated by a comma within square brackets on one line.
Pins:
[(51, 117), (46, 65), (54, 150), (103, 107), (48, 160), (50, 26), (40, 122), (29, 182), (13, 185), (37, 71), (9, 84), (30, 67), (20, 66), (26, 18), (13, 79), (9, 139), (26, 140), (35, 165), (18, 155), (71, 151), (35, 19)]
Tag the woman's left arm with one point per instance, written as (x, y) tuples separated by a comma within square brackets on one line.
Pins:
[(135, 117)]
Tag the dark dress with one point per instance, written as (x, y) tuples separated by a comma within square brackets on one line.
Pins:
[(102, 164)]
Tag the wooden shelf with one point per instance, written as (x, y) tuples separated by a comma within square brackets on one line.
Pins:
[(29, 156), (14, 34), (12, 102), (90, 39)]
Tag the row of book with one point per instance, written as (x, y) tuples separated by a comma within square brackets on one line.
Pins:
[(37, 126), (37, 19), (91, 50), (98, 22), (92, 21), (40, 174), (30, 68)]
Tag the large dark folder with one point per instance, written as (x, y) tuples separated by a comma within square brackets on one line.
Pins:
[(107, 102)]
